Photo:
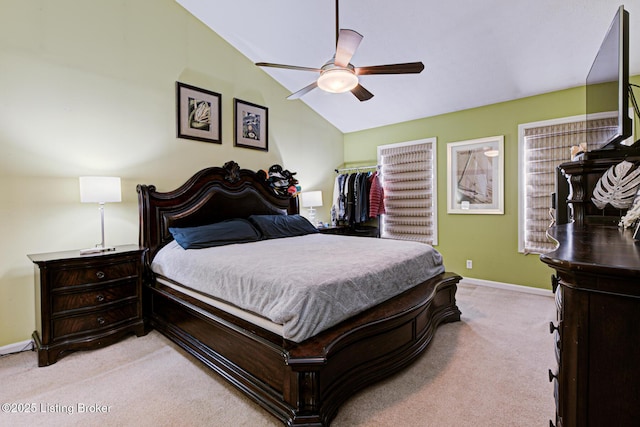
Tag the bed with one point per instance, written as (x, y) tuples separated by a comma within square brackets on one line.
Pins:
[(300, 378)]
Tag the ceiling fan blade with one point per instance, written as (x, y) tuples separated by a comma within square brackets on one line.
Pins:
[(361, 93), (287, 67), (348, 42), (406, 68), (303, 91)]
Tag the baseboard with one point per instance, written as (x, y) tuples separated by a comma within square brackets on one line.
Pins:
[(517, 288), (16, 347)]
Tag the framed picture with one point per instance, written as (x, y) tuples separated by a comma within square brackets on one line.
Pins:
[(251, 129), (475, 176), (199, 114)]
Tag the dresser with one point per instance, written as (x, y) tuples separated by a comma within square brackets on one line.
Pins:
[(597, 331), (86, 302)]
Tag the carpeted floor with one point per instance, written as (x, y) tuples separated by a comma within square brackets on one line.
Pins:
[(490, 369)]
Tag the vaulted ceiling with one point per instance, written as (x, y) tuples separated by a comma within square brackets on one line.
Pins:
[(475, 52)]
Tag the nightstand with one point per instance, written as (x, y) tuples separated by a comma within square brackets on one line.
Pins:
[(85, 302), (345, 230)]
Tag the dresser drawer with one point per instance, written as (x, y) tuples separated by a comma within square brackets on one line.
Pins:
[(92, 298), (94, 321), (88, 274)]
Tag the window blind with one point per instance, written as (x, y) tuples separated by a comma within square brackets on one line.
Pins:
[(544, 149), (408, 178)]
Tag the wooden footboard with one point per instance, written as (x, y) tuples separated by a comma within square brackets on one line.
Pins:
[(305, 383)]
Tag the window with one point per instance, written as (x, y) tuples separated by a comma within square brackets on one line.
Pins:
[(409, 180), (542, 147)]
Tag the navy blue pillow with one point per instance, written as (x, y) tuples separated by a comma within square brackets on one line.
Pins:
[(276, 226), (217, 234)]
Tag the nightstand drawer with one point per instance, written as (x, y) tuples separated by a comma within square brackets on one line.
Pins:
[(95, 297), (91, 322), (87, 275)]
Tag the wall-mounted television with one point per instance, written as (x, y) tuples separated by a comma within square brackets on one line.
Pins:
[(607, 87)]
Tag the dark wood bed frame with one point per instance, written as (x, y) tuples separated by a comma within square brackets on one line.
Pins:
[(299, 383)]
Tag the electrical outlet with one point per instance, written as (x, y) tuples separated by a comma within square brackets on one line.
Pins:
[(469, 264)]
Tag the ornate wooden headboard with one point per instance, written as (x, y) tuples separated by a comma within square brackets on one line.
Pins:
[(211, 195)]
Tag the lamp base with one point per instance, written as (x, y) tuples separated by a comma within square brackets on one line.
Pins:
[(312, 215), (96, 250), (100, 247)]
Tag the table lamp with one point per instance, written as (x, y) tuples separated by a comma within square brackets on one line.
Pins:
[(101, 190), (310, 200)]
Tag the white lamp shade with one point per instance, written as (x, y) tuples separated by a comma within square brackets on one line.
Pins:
[(100, 189), (310, 199)]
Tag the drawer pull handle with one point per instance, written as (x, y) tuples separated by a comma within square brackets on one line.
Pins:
[(100, 298), (552, 327), (100, 274), (552, 376), (101, 321)]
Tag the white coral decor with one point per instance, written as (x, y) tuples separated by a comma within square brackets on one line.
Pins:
[(633, 214), (617, 186)]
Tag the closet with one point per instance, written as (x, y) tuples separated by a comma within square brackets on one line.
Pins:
[(358, 200)]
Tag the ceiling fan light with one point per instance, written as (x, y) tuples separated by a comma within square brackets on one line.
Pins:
[(337, 80)]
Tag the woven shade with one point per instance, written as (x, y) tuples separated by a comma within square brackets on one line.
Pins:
[(545, 148), (408, 179)]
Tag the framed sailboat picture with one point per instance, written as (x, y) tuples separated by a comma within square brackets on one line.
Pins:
[(475, 176)]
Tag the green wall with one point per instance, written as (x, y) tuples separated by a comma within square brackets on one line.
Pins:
[(491, 241), (88, 88)]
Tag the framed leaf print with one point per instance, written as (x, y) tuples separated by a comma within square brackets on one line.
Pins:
[(198, 114)]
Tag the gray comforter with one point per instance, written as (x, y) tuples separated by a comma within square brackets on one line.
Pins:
[(306, 283)]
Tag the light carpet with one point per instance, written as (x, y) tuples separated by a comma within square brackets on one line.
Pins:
[(490, 369)]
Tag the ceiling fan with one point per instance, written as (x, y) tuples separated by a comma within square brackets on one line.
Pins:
[(338, 75)]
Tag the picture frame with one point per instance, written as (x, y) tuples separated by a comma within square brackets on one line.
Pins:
[(199, 114), (475, 176), (251, 125)]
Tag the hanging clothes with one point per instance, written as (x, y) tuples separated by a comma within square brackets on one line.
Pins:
[(338, 209), (352, 197), (362, 197), (376, 196)]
